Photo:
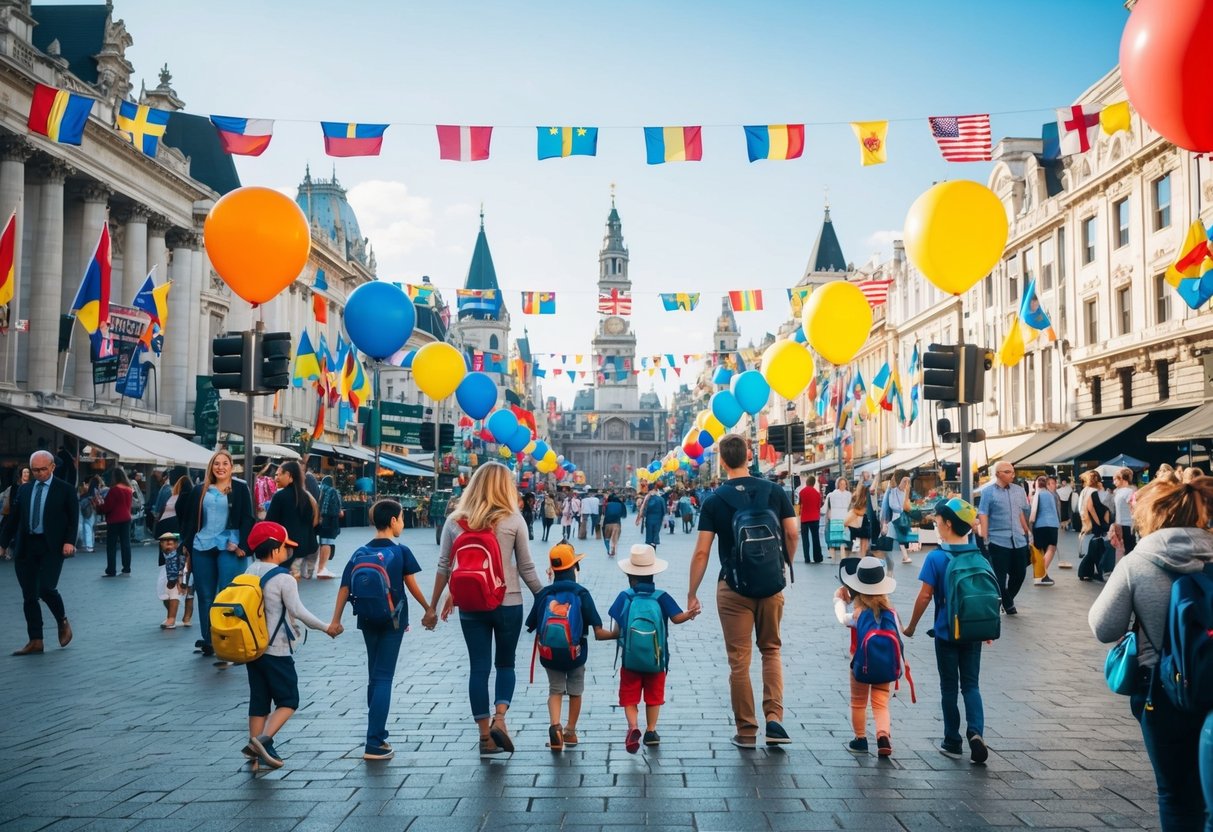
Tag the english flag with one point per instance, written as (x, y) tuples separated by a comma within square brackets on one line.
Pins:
[(464, 144), (1077, 128)]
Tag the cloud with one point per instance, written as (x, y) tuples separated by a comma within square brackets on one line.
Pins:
[(882, 241), (397, 222)]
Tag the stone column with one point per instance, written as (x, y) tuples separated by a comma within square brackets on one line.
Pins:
[(14, 153), (157, 251), (46, 281), (200, 358), (96, 213), (176, 380), (134, 253)]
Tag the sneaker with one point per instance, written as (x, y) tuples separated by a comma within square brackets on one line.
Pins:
[(500, 735), (263, 746), (744, 742), (1065, 564), (652, 738), (383, 752), (1011, 610), (555, 738), (859, 745), (953, 751), (488, 748), (978, 752), (1045, 581), (324, 574), (248, 751), (632, 743), (884, 746), (776, 735), (570, 737)]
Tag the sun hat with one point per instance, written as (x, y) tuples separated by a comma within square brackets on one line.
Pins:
[(869, 578), (643, 560), (958, 512), (266, 530), (562, 556), (170, 536), (848, 566)]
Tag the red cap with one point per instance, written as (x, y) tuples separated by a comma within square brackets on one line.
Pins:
[(265, 530)]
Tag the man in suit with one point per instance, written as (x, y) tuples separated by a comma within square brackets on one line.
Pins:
[(44, 519)]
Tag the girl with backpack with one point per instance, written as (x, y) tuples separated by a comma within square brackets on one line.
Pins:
[(1172, 520), (862, 603), (294, 508), (331, 512), (485, 544), (549, 515), (652, 514)]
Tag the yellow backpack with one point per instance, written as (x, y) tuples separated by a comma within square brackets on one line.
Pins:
[(239, 631)]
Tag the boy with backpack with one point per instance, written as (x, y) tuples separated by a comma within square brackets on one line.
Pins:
[(562, 614), (374, 581), (642, 614), (967, 599), (271, 674)]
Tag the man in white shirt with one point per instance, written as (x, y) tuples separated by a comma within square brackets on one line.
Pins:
[(589, 508)]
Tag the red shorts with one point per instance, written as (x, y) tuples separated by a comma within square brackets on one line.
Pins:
[(632, 683)]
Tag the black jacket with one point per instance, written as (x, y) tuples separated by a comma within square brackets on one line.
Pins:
[(239, 513), (60, 516), (299, 520)]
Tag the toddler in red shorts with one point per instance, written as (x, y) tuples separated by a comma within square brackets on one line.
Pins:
[(641, 616)]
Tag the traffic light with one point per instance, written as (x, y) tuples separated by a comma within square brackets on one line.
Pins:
[(976, 361), (232, 362), (273, 361), (446, 436), (777, 436), (941, 373)]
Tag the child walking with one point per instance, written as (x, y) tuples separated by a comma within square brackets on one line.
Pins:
[(642, 614), (171, 585), (374, 579), (563, 613)]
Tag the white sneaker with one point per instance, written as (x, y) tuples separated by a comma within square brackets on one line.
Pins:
[(325, 573)]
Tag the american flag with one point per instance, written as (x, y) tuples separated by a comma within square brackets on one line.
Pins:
[(614, 303), (962, 138), (876, 291)]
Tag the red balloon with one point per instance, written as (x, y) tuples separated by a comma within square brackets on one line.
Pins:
[(693, 449), (1164, 67)]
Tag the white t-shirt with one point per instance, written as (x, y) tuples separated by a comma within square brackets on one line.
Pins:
[(1123, 510), (838, 504), (589, 505)]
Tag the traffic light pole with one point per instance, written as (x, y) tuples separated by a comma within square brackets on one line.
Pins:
[(966, 470), (378, 422), (250, 454)]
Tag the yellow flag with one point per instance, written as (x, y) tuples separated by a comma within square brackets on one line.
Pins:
[(1115, 117), (871, 136), (1011, 352)]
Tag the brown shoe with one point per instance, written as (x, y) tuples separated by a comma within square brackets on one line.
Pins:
[(65, 633), (500, 735), (33, 646), (570, 737)]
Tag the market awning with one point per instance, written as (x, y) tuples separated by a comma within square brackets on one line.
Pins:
[(1032, 444), (901, 458), (1195, 425), (272, 451), (403, 466), (983, 453), (355, 452), (130, 444), (1088, 436)]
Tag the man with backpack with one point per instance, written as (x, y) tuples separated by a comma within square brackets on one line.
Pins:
[(757, 528), (1003, 522), (967, 597)]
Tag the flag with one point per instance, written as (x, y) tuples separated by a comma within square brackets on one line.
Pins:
[(319, 282), (1192, 272), (1029, 321), (1115, 117), (880, 384), (774, 141), (323, 356), (614, 302), (8, 260), (479, 301), (142, 125), (1050, 142), (680, 301), (92, 304), (355, 386), (876, 291), (463, 144), (420, 294), (320, 308), (306, 364), (1012, 349), (915, 384), (746, 300), (962, 138), (1077, 128), (538, 303), (153, 300), (673, 144), (243, 136), (555, 142), (58, 114), (346, 138), (797, 297), (871, 136)]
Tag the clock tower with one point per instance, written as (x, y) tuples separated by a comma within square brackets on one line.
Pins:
[(614, 342)]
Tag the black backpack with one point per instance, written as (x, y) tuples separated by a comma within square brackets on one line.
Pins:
[(754, 568)]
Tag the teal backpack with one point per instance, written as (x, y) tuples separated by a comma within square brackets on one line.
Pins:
[(971, 596), (642, 638)]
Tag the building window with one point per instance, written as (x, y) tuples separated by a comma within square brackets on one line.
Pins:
[(1013, 416), (1046, 384), (1124, 310), (1096, 396), (494, 344), (989, 286), (1029, 268), (1090, 317), (1088, 240), (1162, 369), (1061, 254), (1046, 264), (1162, 299), (1126, 387), (1120, 210), (1013, 278), (1030, 389), (1161, 190)]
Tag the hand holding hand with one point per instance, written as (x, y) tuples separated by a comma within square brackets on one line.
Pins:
[(908, 631), (842, 594), (430, 619), (693, 605), (334, 629)]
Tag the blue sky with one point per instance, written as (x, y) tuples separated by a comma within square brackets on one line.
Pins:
[(711, 226)]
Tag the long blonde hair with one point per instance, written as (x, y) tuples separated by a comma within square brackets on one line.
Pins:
[(876, 603), (208, 479), (491, 496)]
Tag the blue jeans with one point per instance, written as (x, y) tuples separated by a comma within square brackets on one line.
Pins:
[(652, 529), (382, 650), (213, 570), (959, 668), (1176, 745), (480, 630)]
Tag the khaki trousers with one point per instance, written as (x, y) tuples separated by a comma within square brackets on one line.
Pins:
[(744, 622)]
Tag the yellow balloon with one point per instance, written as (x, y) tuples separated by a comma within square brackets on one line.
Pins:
[(505, 452), (714, 426), (955, 233), (546, 466), (530, 446), (438, 368), (702, 417), (788, 368), (836, 320), (670, 465), (550, 456)]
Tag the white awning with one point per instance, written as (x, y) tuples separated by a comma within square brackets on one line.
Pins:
[(272, 451), (983, 453), (130, 444), (901, 458), (348, 451)]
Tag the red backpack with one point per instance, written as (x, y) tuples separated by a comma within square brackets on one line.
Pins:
[(477, 580)]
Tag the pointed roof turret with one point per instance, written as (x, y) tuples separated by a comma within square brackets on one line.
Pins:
[(827, 252), (482, 276)]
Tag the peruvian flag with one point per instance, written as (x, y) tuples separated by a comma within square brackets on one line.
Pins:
[(1077, 128), (464, 144)]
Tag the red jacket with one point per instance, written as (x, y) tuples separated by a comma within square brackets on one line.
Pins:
[(810, 504), (116, 505)]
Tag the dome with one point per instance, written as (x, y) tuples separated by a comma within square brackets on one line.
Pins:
[(324, 204)]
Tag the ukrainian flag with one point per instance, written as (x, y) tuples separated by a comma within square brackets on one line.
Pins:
[(555, 142), (307, 366)]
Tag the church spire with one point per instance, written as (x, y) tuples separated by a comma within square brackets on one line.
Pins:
[(827, 251)]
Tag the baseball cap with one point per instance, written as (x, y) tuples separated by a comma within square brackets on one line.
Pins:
[(266, 530), (562, 556), (958, 512)]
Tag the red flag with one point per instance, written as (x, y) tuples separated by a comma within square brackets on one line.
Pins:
[(320, 309), (463, 144)]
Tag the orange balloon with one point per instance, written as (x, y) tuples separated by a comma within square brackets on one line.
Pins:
[(258, 242)]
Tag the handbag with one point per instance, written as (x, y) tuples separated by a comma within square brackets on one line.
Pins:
[(1038, 562), (902, 523), (1120, 668), (884, 543), (854, 519)]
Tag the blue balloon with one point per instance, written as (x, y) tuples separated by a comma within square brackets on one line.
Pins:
[(752, 391), (541, 450), (477, 395), (407, 361), (379, 318), (503, 424), (705, 439), (726, 409), (798, 336), (698, 460), (722, 376), (520, 439), (570, 467), (654, 467)]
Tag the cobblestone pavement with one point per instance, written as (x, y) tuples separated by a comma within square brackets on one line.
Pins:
[(127, 728)]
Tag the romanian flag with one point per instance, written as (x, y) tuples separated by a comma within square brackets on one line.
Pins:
[(1192, 272), (142, 125), (871, 136), (58, 114), (346, 138), (680, 301), (880, 383), (774, 141), (243, 136), (153, 300), (8, 260), (673, 144), (747, 300), (307, 366), (538, 303), (556, 142), (797, 297), (92, 304)]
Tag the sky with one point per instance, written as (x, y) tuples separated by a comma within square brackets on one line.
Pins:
[(710, 226)]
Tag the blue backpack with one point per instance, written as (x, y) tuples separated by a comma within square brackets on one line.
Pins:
[(1186, 662), (371, 588), (879, 656), (561, 627), (642, 638)]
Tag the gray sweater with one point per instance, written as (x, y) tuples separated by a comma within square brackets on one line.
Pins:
[(1141, 584), (512, 538), (282, 591)]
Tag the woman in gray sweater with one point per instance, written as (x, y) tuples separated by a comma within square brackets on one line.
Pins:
[(1172, 520)]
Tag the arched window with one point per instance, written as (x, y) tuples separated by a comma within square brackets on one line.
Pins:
[(494, 344)]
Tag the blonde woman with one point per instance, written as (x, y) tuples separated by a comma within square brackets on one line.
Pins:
[(490, 502)]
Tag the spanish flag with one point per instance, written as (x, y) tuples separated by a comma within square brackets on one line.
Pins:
[(8, 260), (871, 136), (58, 114)]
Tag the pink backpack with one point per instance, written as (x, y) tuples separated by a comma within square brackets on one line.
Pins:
[(477, 579)]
